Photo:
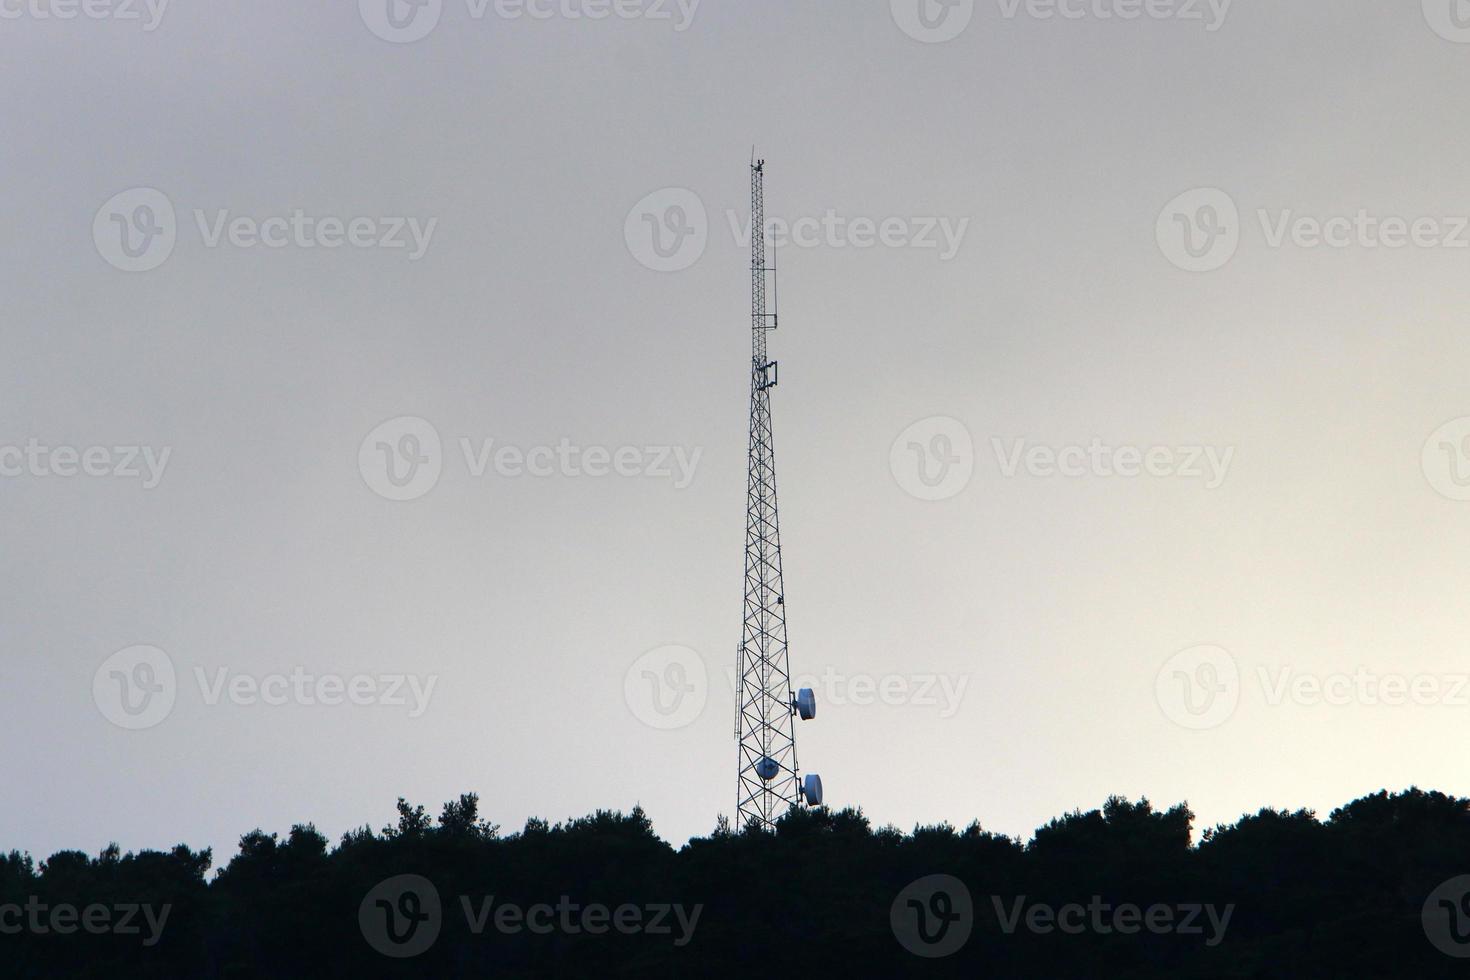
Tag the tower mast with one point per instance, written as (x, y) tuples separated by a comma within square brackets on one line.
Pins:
[(770, 782)]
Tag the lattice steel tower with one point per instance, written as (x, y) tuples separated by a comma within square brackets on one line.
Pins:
[(765, 725)]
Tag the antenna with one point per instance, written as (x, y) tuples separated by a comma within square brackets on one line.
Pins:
[(770, 780), (775, 286)]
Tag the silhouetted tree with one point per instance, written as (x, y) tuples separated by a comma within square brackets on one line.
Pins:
[(1308, 898)]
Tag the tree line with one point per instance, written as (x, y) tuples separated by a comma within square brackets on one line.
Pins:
[(1378, 888)]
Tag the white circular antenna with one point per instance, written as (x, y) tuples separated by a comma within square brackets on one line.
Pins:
[(767, 768), (806, 704), (811, 789)]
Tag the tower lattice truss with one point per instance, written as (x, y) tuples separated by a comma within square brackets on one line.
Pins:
[(770, 780)]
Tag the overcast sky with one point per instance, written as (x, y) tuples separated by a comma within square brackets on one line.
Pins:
[(1120, 430)]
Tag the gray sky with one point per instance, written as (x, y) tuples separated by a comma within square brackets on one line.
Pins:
[(1005, 652)]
